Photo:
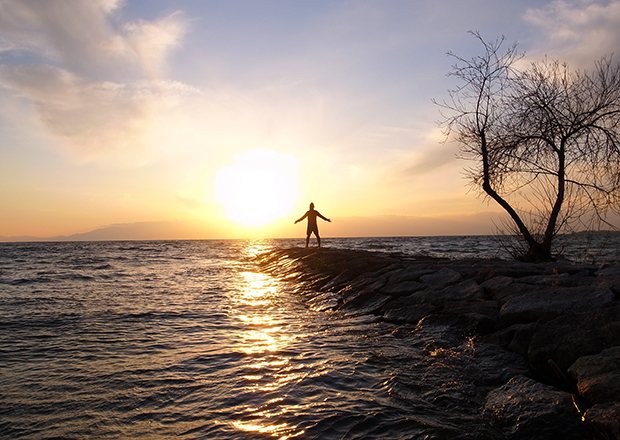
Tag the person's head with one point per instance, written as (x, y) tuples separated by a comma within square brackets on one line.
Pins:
[(311, 205)]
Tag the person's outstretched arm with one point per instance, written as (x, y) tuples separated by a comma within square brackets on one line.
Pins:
[(301, 218), (324, 218)]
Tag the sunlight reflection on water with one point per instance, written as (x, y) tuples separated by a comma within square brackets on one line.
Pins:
[(265, 341)]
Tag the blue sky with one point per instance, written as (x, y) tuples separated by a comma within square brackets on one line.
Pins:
[(115, 112)]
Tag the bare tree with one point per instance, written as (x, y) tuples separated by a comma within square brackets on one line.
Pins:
[(545, 140)]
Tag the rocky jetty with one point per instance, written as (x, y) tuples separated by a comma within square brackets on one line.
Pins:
[(546, 336)]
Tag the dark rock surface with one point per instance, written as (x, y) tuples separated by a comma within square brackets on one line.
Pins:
[(526, 409), (546, 336)]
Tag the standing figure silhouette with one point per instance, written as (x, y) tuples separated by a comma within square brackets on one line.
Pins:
[(312, 214)]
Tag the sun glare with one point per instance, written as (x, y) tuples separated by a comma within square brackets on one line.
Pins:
[(258, 188)]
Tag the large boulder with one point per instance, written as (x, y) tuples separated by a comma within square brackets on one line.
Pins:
[(567, 338), (598, 376), (365, 303), (466, 290), (442, 278), (404, 287), (551, 302), (603, 421), (401, 314), (528, 410)]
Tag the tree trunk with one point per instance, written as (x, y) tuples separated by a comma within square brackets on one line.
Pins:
[(537, 251)]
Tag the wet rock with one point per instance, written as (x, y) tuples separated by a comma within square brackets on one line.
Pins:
[(610, 278), (516, 338), (442, 278), (528, 410), (403, 288), (612, 271), (482, 307), (549, 280), (496, 284), (466, 290), (367, 302), (490, 364), (325, 301), (360, 287), (567, 338), (598, 376), (408, 313), (603, 421), (515, 290), (552, 302), (409, 273)]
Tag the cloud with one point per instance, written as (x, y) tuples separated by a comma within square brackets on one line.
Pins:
[(95, 81), (578, 31), (84, 37), (93, 119)]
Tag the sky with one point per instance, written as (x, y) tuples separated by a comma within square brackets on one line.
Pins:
[(226, 118)]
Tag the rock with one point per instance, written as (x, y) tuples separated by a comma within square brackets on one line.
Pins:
[(367, 302), (482, 315), (528, 410), (598, 376), (412, 314), (612, 271), (442, 278), (325, 301), (515, 290), (549, 280), (567, 338), (402, 288), (492, 365), (603, 421), (467, 290), (497, 284), (552, 302), (358, 287), (409, 273)]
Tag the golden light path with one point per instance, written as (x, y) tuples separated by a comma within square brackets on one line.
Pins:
[(264, 341)]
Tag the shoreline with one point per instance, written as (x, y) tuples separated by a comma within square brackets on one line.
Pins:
[(551, 329)]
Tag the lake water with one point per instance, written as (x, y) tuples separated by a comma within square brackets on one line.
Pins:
[(188, 339)]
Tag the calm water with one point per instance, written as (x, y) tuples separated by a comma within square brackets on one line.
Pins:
[(188, 339)]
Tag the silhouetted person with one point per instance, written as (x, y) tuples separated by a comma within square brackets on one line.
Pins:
[(312, 214)]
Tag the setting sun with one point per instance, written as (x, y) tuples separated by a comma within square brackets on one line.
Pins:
[(261, 186)]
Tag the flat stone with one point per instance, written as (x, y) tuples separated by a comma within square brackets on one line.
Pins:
[(411, 314), (352, 290), (528, 410), (552, 302), (403, 288), (442, 278), (493, 365), (612, 271), (603, 420), (366, 303), (409, 273), (598, 376), (467, 290), (325, 301), (567, 338), (497, 284), (515, 290), (549, 280)]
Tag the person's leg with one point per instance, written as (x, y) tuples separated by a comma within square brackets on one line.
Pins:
[(318, 238), (307, 240)]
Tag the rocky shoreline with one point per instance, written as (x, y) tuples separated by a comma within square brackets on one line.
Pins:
[(546, 337)]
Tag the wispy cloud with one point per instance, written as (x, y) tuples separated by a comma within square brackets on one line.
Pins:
[(96, 82), (578, 31)]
